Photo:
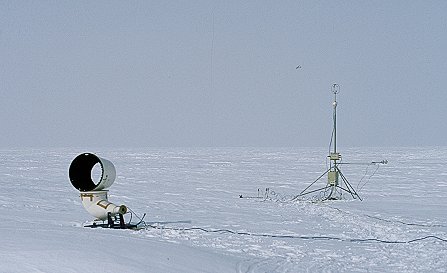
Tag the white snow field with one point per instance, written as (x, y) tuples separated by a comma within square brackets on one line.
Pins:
[(400, 226)]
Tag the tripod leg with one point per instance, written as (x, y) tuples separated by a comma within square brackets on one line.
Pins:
[(351, 190), (312, 191), (301, 193)]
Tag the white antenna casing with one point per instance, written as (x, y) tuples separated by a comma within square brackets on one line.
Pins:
[(93, 195), (97, 204)]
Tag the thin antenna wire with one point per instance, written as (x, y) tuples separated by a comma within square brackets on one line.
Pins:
[(210, 93), (212, 54)]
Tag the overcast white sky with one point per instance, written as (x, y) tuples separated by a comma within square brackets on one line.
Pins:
[(222, 73)]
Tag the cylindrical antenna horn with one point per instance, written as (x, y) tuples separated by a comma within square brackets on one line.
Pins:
[(80, 173)]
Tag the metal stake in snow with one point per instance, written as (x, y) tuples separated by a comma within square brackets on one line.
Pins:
[(334, 188)]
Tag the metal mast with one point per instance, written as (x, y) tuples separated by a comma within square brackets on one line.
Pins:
[(335, 90), (334, 172)]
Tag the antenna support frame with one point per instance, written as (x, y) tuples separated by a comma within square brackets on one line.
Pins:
[(336, 181)]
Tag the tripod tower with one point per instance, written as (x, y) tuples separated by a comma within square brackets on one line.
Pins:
[(337, 184)]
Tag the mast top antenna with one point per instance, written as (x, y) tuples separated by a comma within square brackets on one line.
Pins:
[(335, 88)]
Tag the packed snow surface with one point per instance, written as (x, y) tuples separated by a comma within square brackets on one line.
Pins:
[(197, 221)]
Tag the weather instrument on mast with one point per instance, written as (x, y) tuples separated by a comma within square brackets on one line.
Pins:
[(337, 183)]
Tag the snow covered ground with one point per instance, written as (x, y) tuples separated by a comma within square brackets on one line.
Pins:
[(42, 216)]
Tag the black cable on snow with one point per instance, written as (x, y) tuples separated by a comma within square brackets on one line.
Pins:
[(291, 236), (284, 236)]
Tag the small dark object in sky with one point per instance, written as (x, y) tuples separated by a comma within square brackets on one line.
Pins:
[(298, 67)]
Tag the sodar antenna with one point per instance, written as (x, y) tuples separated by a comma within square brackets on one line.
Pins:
[(337, 183)]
